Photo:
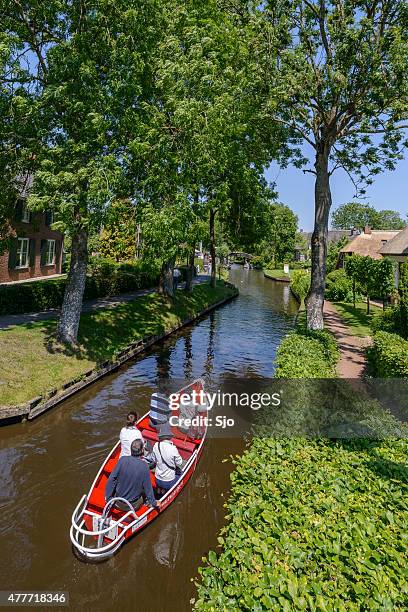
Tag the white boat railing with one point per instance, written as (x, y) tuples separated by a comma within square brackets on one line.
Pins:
[(79, 532)]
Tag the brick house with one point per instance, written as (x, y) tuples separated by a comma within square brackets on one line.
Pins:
[(36, 249)]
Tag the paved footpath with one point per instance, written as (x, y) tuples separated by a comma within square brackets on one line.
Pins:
[(88, 306), (352, 355)]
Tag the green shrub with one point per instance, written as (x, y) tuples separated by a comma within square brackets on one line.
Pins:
[(392, 320), (312, 525), (304, 354), (300, 284), (388, 356), (338, 286), (106, 279)]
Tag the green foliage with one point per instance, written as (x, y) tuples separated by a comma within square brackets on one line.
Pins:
[(119, 236), (300, 284), (392, 320), (312, 525), (388, 355), (338, 285), (277, 240), (105, 279), (307, 354), (375, 277), (356, 215)]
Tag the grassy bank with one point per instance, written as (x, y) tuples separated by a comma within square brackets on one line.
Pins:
[(277, 274), (32, 362)]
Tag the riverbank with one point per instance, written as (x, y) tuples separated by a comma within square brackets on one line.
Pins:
[(277, 275), (37, 372)]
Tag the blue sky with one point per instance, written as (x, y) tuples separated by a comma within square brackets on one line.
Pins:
[(296, 189)]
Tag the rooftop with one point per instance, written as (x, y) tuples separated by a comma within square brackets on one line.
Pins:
[(398, 245), (370, 243)]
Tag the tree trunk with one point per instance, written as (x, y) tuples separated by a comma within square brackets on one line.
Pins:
[(74, 290), (354, 293), (166, 279), (213, 281), (368, 304), (190, 271), (315, 298)]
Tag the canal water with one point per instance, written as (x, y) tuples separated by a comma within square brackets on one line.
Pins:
[(48, 464)]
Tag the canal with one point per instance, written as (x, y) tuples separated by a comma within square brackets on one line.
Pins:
[(48, 464)]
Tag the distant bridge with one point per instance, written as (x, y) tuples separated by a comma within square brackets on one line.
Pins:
[(240, 255)]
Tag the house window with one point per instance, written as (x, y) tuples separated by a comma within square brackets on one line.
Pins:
[(49, 255), (25, 214), (22, 253), (49, 218)]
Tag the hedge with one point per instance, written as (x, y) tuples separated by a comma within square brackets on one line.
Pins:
[(105, 281), (312, 525), (339, 286), (393, 319), (300, 284), (307, 354), (388, 355)]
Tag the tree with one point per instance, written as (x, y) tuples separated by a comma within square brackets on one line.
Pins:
[(357, 215), (16, 128), (89, 71), (389, 220), (118, 237), (384, 278), (353, 215), (335, 78), (375, 277), (207, 108), (353, 272)]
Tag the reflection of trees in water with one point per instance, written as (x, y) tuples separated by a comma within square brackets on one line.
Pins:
[(209, 362), (163, 365), (188, 357)]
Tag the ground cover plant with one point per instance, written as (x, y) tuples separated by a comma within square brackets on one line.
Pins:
[(312, 524)]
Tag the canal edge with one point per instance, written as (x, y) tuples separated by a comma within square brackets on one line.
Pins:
[(43, 403)]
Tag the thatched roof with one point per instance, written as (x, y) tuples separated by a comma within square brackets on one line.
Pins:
[(370, 244), (398, 245)]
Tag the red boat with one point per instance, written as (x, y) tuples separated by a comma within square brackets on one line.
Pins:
[(98, 529)]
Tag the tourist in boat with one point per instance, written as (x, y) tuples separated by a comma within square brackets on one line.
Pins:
[(129, 433), (159, 410), (130, 479), (168, 460)]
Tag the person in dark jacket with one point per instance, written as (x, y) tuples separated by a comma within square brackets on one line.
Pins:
[(130, 479)]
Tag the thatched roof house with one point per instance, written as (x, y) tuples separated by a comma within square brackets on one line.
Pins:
[(369, 243)]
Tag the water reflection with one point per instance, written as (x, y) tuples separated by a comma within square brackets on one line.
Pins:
[(48, 464)]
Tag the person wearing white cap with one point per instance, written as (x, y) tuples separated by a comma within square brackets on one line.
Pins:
[(168, 460)]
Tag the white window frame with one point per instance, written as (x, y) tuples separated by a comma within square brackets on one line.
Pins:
[(23, 263), (25, 214), (50, 261)]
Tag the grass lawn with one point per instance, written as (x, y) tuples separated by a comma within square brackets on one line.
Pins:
[(276, 274), (32, 362), (356, 318)]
